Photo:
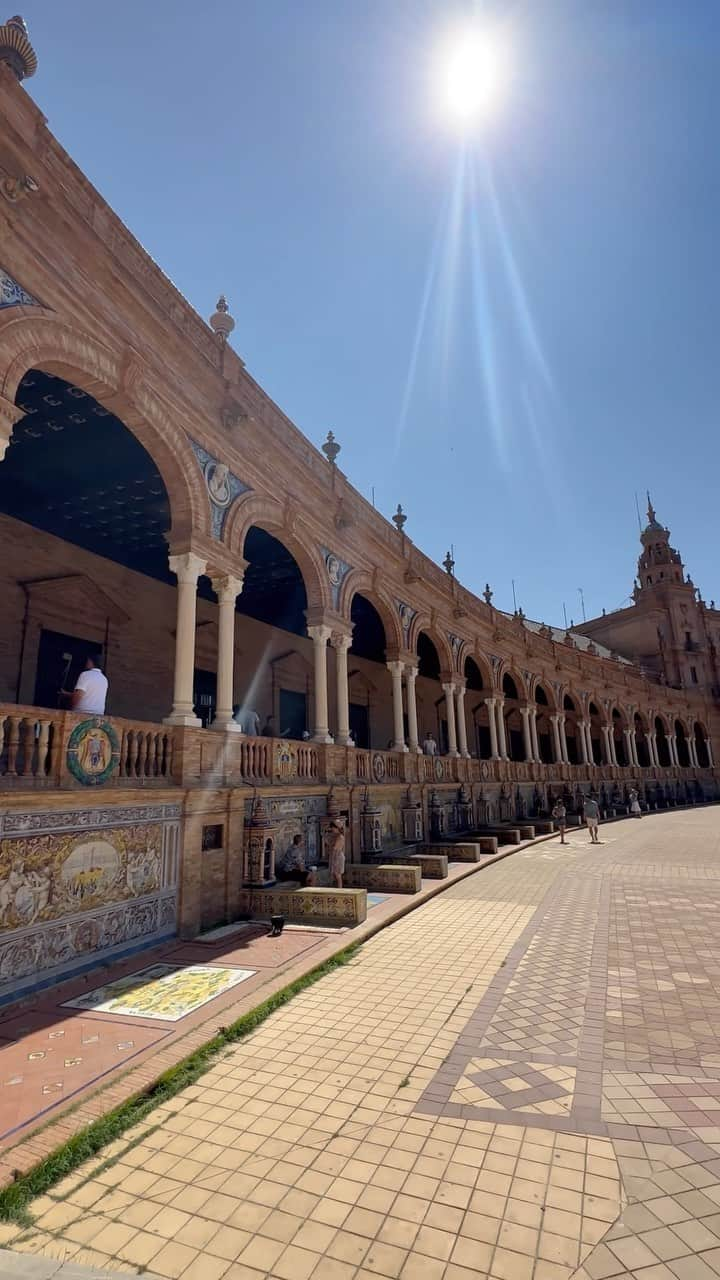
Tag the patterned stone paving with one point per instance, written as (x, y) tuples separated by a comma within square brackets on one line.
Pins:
[(520, 1081)]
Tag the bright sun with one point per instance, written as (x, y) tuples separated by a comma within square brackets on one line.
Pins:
[(473, 75)]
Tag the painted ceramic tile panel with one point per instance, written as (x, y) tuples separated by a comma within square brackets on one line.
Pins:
[(164, 991), (46, 877)]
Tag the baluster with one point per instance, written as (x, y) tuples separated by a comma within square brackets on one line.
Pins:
[(163, 755), (170, 754), (156, 755), (2, 741), (133, 752), (43, 760), (143, 754), (13, 744)]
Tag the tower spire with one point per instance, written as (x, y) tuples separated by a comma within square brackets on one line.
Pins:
[(650, 508)]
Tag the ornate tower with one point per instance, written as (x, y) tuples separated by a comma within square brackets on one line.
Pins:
[(659, 562), (15, 48)]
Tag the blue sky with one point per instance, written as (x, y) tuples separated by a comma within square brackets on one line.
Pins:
[(510, 333)]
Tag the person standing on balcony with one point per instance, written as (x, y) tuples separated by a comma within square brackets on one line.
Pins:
[(90, 692), (429, 745)]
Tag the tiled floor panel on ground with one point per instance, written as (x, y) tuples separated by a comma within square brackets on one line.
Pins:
[(520, 1080)]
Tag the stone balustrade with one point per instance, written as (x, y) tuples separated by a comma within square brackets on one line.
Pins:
[(35, 744)]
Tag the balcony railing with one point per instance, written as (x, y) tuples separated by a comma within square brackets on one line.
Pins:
[(38, 751)]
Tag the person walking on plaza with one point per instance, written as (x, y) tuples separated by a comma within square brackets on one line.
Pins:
[(635, 809), (90, 692), (591, 813), (559, 817)]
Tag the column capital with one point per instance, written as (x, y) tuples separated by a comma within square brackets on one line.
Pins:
[(448, 687), (525, 711), (187, 566), (411, 671), (396, 667), (460, 688), (319, 633), (226, 587), (340, 639)]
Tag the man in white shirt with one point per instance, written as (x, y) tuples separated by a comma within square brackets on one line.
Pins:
[(90, 691), (429, 745)]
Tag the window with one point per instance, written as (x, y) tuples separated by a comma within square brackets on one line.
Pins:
[(649, 581), (693, 675)]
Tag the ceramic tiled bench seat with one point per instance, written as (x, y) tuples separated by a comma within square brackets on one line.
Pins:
[(465, 851), (384, 878), (433, 866), (314, 905)]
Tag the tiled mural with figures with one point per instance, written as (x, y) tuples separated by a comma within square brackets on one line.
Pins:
[(81, 883)]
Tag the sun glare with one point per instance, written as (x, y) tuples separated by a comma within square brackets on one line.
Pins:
[(473, 75)]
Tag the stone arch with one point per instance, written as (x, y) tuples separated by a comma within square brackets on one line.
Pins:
[(507, 669), (358, 582), (662, 729), (268, 514), (539, 683), (117, 381), (682, 737), (700, 738), (423, 623)]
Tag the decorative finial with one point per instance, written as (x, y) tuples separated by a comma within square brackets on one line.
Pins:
[(487, 593), (651, 509), (331, 448), (221, 322), (399, 519), (16, 49), (448, 564)]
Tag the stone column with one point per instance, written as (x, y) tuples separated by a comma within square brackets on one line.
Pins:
[(563, 740), (227, 590), (410, 678), (588, 735), (320, 635), (693, 752), (341, 643), (396, 671), (449, 691), (557, 748), (461, 723), (582, 726), (492, 723), (652, 748), (708, 747), (502, 736), (534, 735), (527, 736), (187, 569), (672, 746), (628, 736), (607, 750)]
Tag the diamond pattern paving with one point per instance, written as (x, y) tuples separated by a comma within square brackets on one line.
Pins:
[(520, 1081)]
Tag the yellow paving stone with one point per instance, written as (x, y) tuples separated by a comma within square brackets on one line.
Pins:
[(173, 1259)]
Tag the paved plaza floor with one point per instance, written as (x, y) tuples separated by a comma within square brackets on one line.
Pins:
[(520, 1080)]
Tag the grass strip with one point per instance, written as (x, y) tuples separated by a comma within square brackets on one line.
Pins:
[(90, 1140)]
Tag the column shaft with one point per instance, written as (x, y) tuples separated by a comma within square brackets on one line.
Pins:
[(492, 723), (341, 644), (502, 736), (460, 717), (187, 569), (320, 636), (582, 725), (410, 678), (227, 590), (534, 735), (449, 691), (563, 741), (557, 749), (396, 671)]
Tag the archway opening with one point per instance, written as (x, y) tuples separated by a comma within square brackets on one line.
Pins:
[(619, 738), (641, 745), (84, 518), (475, 685), (572, 731), (701, 750), (273, 676), (430, 698), (514, 735), (681, 743), (369, 644), (663, 746), (595, 733), (544, 728)]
